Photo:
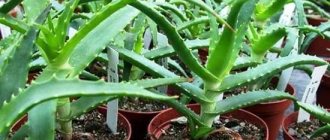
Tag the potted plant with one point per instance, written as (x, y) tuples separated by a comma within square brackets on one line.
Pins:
[(214, 69), (317, 128), (42, 100), (260, 44)]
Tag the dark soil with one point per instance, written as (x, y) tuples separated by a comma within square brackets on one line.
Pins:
[(246, 130), (98, 68), (303, 130), (92, 126), (140, 105)]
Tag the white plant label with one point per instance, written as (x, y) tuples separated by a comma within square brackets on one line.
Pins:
[(286, 74), (112, 111), (309, 95), (5, 30), (147, 39), (162, 42), (71, 32), (285, 19)]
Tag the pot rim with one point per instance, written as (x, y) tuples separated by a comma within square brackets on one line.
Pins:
[(23, 120), (124, 119), (135, 112), (293, 115), (262, 122)]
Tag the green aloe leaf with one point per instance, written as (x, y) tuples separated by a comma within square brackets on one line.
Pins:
[(84, 104), (249, 99), (316, 111), (17, 62), (159, 71), (162, 52), (56, 88), (84, 31), (177, 42), (320, 131), (13, 23), (267, 70), (149, 83), (264, 12), (9, 5), (32, 8), (111, 26)]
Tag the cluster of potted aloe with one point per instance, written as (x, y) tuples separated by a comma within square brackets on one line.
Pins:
[(66, 43)]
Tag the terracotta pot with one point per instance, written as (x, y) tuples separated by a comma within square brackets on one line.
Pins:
[(162, 120), (286, 123), (273, 112), (323, 95), (319, 46), (315, 20), (102, 110), (292, 118), (121, 118), (139, 122)]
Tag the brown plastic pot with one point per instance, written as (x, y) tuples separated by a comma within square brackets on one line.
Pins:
[(323, 92), (139, 122), (102, 110), (121, 118), (163, 120), (292, 118), (319, 46), (315, 20), (273, 112)]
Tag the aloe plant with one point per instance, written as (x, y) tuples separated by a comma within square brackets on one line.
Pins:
[(215, 75), (42, 100), (46, 100)]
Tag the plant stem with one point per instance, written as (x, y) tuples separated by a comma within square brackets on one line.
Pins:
[(209, 89), (63, 112)]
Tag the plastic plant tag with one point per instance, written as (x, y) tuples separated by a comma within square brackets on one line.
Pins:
[(224, 12), (147, 39), (286, 74), (112, 111), (285, 19), (162, 42), (5, 30), (309, 95), (72, 32)]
